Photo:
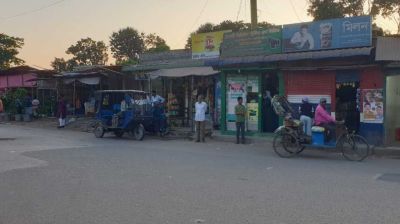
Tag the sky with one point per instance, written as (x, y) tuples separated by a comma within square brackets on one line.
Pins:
[(49, 27)]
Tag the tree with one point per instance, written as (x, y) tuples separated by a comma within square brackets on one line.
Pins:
[(88, 52), (155, 43), (330, 9), (126, 44), (61, 65), (9, 49), (325, 9), (388, 9)]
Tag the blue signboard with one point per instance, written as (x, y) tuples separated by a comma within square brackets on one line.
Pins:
[(328, 34)]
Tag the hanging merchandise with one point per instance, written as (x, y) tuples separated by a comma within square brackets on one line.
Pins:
[(173, 105)]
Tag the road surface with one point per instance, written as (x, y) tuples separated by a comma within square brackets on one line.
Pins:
[(59, 176)]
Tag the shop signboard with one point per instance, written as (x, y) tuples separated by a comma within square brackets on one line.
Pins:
[(252, 103), (328, 34), (236, 87), (251, 43), (373, 106), (207, 45), (252, 116)]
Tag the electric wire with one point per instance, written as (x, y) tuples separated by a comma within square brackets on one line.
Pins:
[(295, 12), (33, 10)]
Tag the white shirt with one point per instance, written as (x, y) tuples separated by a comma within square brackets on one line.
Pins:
[(157, 99), (201, 109)]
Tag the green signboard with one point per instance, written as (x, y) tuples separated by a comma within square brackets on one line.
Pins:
[(252, 43)]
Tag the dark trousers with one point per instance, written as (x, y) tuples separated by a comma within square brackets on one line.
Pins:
[(330, 131), (200, 130), (239, 131)]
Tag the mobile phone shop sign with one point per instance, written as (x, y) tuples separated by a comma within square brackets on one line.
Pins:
[(328, 34)]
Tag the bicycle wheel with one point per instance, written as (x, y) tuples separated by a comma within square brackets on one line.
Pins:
[(354, 147), (286, 145)]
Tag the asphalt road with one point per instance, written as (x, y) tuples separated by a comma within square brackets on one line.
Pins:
[(60, 176)]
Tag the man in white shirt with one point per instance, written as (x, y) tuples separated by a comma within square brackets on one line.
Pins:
[(302, 39), (200, 117), (156, 99)]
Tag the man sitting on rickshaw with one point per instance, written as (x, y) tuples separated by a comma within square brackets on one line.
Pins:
[(325, 120)]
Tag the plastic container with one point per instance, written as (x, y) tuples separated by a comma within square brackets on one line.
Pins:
[(318, 138)]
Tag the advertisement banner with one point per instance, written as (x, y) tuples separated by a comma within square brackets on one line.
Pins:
[(207, 45), (328, 34), (236, 87), (252, 116), (373, 106), (251, 43)]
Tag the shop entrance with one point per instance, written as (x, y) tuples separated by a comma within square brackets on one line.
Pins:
[(270, 84), (347, 104), (392, 118)]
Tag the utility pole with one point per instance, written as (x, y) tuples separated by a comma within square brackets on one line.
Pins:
[(253, 8)]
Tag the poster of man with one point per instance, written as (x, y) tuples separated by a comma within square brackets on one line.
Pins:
[(373, 105)]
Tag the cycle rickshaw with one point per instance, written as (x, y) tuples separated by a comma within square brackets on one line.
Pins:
[(290, 139)]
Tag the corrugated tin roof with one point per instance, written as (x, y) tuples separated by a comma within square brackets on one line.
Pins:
[(388, 49), (365, 51), (156, 65)]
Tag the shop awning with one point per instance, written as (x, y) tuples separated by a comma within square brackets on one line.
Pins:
[(183, 72), (87, 81), (298, 56)]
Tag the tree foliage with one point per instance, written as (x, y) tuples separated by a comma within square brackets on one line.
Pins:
[(88, 52), (61, 65), (85, 52), (325, 9), (126, 44), (224, 25), (388, 9), (155, 43), (9, 49)]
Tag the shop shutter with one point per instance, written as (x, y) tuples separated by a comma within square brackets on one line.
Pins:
[(313, 84)]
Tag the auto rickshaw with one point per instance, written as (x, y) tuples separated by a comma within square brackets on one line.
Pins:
[(124, 111)]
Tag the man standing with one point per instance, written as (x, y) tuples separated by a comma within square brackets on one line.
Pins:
[(240, 112), (306, 116), (61, 111), (200, 117), (324, 119), (156, 99)]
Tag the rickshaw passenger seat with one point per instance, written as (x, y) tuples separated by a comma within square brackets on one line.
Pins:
[(117, 107)]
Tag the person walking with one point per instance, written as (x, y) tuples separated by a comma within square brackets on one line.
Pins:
[(306, 115), (61, 111), (240, 112), (1, 106), (200, 117)]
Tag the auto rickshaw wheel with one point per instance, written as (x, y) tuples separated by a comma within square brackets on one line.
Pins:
[(138, 132), (99, 131), (119, 133)]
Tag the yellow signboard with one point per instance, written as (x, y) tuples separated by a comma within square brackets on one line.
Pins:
[(206, 45)]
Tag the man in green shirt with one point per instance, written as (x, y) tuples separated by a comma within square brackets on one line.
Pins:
[(240, 112)]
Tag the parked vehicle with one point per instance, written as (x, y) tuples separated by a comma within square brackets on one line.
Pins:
[(125, 111), (290, 140)]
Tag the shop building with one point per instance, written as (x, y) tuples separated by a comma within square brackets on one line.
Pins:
[(387, 54), (179, 79), (338, 64)]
